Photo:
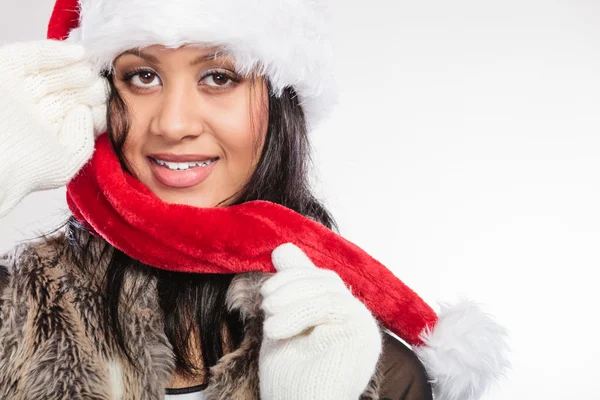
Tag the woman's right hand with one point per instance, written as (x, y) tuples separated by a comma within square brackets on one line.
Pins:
[(52, 106)]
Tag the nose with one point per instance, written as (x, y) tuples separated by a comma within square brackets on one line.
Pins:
[(179, 114)]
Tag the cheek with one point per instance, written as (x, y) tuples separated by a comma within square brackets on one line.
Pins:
[(140, 110), (240, 133)]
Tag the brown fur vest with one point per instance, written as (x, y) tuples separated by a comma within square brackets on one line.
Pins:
[(53, 346)]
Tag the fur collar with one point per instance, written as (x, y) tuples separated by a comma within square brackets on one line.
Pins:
[(52, 344)]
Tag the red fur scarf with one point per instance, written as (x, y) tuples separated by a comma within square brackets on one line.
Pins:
[(122, 210)]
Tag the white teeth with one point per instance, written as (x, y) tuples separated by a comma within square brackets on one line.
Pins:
[(183, 166)]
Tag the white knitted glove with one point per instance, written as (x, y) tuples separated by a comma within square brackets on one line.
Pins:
[(52, 101), (320, 342)]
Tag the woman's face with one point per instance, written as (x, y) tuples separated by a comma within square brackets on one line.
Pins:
[(196, 132)]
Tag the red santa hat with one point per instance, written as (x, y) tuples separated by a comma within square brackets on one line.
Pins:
[(284, 40), (462, 348)]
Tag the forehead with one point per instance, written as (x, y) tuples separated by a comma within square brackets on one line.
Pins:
[(193, 54)]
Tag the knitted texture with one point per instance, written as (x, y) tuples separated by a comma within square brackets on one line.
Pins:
[(320, 342), (51, 103)]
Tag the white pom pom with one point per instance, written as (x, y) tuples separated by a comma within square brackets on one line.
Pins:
[(464, 353)]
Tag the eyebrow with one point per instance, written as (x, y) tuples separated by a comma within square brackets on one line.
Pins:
[(198, 60)]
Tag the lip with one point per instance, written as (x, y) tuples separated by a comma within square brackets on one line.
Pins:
[(170, 157), (181, 179)]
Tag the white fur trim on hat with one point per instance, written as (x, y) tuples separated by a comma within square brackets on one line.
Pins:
[(464, 353), (284, 40)]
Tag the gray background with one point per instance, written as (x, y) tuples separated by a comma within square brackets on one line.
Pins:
[(464, 156)]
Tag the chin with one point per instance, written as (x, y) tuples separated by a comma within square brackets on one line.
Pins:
[(189, 197), (193, 201)]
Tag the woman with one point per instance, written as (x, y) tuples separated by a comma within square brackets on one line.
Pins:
[(85, 313)]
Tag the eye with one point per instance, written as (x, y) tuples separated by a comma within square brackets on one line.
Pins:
[(143, 78), (219, 80)]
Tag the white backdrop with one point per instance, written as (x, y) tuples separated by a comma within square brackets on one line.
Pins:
[(464, 156)]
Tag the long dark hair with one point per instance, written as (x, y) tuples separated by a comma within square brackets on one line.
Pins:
[(195, 302)]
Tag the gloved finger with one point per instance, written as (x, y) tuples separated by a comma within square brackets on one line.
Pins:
[(95, 94), (99, 115), (364, 328), (41, 55), (76, 137), (325, 309), (55, 106), (290, 275), (74, 76), (288, 255), (298, 291)]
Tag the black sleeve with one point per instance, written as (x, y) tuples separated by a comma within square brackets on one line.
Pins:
[(403, 374)]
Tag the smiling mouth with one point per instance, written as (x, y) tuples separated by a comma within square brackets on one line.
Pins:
[(183, 166)]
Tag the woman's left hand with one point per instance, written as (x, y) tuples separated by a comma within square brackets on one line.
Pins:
[(319, 341)]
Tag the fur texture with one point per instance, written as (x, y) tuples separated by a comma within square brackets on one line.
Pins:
[(52, 344), (241, 238), (464, 353), (286, 40), (232, 239)]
